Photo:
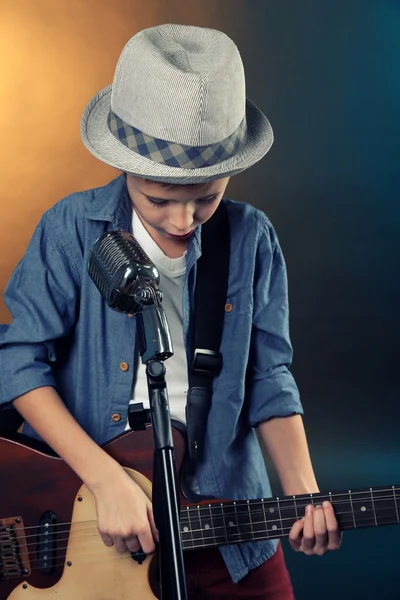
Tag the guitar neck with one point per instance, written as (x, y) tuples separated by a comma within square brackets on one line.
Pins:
[(220, 523)]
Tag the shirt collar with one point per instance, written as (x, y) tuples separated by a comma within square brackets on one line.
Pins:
[(112, 203)]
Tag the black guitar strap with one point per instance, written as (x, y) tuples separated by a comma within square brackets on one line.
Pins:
[(209, 310)]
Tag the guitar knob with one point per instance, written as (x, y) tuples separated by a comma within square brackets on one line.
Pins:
[(139, 556)]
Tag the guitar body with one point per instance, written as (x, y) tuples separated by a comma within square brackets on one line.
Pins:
[(46, 495)]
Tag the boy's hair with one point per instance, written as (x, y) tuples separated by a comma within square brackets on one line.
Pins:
[(166, 186)]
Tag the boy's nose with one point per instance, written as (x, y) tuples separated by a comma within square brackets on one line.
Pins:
[(181, 221)]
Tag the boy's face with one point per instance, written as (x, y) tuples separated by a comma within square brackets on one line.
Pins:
[(171, 213)]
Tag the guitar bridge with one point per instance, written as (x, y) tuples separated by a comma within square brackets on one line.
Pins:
[(14, 556)]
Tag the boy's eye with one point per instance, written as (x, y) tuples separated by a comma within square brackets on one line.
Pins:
[(208, 200), (155, 202)]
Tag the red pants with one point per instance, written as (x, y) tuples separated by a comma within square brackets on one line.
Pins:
[(208, 578)]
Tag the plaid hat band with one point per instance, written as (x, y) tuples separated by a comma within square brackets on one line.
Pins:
[(172, 154)]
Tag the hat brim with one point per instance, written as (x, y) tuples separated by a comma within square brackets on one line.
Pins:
[(98, 139)]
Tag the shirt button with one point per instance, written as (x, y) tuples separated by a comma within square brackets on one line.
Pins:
[(228, 308), (124, 366), (116, 417)]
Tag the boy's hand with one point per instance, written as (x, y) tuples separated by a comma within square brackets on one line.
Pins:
[(317, 532), (125, 514)]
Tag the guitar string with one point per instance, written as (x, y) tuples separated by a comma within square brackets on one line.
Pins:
[(384, 512), (211, 534), (265, 504), (116, 556), (85, 557), (186, 519)]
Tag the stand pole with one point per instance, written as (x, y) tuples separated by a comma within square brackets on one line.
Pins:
[(155, 345), (165, 488)]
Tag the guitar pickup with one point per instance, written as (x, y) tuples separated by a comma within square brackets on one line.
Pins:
[(47, 543)]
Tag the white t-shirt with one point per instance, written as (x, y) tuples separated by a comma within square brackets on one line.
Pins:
[(172, 279)]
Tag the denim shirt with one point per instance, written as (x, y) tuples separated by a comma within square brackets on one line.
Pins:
[(64, 335)]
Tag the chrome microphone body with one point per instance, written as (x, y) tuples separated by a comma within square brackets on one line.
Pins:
[(128, 281)]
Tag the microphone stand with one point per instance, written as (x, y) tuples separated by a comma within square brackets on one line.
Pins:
[(155, 345)]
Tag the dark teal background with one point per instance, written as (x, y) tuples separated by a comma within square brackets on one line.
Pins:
[(327, 76)]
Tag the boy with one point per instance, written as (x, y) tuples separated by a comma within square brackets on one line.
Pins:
[(177, 123)]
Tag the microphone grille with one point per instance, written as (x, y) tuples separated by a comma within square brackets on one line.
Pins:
[(117, 248), (115, 262)]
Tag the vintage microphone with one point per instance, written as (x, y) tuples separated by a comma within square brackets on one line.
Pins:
[(128, 281)]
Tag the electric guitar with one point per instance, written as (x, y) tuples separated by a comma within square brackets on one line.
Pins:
[(50, 546)]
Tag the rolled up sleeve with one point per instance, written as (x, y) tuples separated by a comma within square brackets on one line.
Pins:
[(42, 297), (272, 389)]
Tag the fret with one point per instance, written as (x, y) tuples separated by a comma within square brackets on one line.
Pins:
[(258, 519), (345, 515), (272, 519), (212, 525), (231, 527), (322, 497), (310, 500), (336, 507), (195, 527), (373, 506), (257, 522), (386, 511), (300, 504), (220, 534), (243, 522), (288, 513), (264, 514), (250, 520), (358, 513), (280, 516), (395, 503), (352, 510), (206, 531), (186, 529), (235, 511), (200, 526), (207, 525), (295, 508)]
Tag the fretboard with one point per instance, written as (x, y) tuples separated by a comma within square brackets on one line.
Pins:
[(220, 523)]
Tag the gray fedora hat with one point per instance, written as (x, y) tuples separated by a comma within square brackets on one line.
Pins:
[(177, 110)]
